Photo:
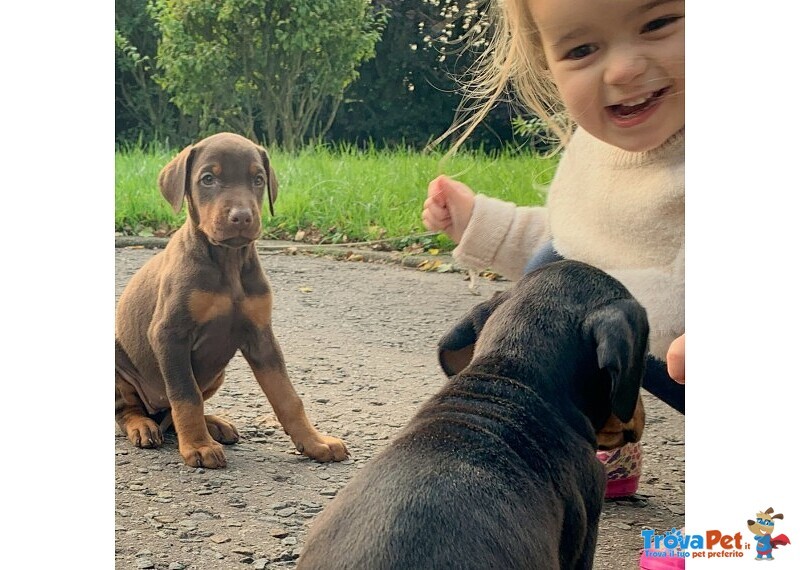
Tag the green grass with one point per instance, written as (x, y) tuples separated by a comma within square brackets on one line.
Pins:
[(339, 194)]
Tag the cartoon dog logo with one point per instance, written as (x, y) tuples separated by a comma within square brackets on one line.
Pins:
[(762, 528)]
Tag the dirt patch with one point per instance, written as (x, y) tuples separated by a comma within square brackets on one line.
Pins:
[(359, 341)]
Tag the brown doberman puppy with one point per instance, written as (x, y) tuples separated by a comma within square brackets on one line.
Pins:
[(187, 311)]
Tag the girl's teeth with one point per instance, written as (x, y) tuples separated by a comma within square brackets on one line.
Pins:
[(637, 102)]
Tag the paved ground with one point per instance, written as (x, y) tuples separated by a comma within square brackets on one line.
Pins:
[(359, 340)]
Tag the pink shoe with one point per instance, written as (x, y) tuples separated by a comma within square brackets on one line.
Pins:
[(662, 558), (661, 562), (623, 468)]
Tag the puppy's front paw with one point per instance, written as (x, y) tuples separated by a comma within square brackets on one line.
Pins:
[(144, 432), (207, 454), (323, 448), (222, 430)]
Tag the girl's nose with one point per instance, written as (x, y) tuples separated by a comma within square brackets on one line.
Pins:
[(624, 66)]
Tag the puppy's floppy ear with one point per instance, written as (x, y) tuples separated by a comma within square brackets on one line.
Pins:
[(272, 180), (620, 332), (174, 181), (457, 346)]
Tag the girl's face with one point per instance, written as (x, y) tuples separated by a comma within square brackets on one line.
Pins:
[(619, 66)]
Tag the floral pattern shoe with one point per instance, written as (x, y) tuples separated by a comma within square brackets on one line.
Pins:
[(623, 468)]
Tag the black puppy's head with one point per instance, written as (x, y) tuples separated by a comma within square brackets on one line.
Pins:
[(575, 331), (224, 178)]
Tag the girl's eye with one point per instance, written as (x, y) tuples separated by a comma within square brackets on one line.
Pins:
[(581, 51), (207, 179), (659, 23), (258, 180)]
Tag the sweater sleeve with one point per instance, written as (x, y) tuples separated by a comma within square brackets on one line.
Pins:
[(502, 236)]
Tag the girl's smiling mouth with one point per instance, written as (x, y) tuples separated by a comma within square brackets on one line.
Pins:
[(636, 111)]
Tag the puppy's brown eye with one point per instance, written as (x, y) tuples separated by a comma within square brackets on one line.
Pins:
[(258, 180), (207, 180)]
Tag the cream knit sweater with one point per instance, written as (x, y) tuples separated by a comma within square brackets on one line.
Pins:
[(620, 211)]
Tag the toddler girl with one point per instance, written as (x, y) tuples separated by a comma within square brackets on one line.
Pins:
[(615, 69)]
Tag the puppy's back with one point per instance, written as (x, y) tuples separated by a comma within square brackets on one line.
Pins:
[(429, 501)]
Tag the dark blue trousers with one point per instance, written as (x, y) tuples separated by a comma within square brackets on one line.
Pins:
[(656, 380)]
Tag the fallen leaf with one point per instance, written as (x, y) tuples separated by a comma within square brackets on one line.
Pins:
[(305, 289), (429, 265)]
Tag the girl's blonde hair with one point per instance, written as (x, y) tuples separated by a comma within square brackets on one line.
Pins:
[(513, 63)]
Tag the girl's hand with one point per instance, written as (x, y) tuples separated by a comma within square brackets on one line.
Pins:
[(676, 359), (448, 207)]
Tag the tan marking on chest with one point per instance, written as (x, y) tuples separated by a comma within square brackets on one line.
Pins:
[(205, 306), (258, 309)]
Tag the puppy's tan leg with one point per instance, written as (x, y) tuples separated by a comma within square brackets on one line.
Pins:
[(266, 359), (172, 348), (291, 414), (132, 418), (195, 443), (264, 355), (221, 430)]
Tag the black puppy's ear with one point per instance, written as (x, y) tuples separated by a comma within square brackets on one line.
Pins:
[(457, 346), (620, 331), (272, 180), (173, 180)]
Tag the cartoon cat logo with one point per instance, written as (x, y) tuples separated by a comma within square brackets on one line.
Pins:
[(762, 529)]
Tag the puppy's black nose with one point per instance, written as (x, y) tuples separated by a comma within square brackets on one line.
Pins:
[(241, 217)]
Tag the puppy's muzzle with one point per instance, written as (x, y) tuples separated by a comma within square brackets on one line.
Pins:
[(234, 226), (615, 433)]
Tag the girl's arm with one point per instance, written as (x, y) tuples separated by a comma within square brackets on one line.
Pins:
[(502, 236)]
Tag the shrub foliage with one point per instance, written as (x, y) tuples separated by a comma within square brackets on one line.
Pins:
[(288, 72)]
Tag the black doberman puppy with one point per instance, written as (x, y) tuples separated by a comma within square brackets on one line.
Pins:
[(498, 470), (187, 311)]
